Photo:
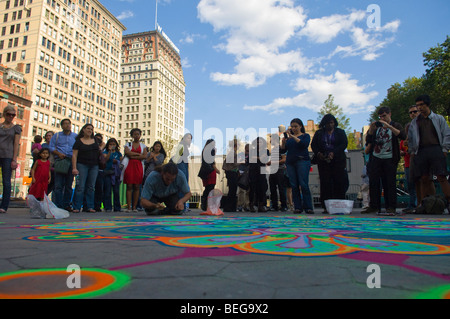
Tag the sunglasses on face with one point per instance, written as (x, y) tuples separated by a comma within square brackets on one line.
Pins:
[(413, 112), (9, 114)]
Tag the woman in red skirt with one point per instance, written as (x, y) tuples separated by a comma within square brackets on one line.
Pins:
[(134, 171)]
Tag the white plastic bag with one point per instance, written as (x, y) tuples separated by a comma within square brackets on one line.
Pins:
[(52, 211), (214, 198), (339, 206), (36, 211)]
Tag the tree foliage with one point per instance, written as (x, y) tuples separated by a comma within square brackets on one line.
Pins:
[(435, 82), (437, 77), (399, 98), (330, 108)]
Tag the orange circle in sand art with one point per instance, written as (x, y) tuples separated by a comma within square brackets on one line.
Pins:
[(98, 281)]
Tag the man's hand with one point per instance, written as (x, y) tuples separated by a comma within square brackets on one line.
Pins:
[(179, 205)]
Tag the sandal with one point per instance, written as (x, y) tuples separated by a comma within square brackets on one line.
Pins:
[(91, 211), (2, 211), (75, 211)]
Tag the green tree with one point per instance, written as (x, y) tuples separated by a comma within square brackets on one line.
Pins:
[(353, 143), (437, 77), (330, 108), (399, 98), (435, 82)]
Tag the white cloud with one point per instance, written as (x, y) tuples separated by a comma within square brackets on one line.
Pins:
[(366, 43), (185, 63), (125, 15), (190, 38), (264, 37), (323, 30), (348, 94), (256, 33)]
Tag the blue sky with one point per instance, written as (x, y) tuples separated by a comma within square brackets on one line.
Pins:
[(261, 63)]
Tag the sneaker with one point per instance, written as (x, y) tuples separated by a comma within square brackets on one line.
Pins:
[(370, 210), (262, 209), (388, 212)]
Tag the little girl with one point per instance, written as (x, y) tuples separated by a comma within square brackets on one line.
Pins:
[(40, 174)]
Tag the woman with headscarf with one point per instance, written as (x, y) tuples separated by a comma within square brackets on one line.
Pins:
[(329, 145)]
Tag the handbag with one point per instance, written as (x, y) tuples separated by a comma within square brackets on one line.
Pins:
[(205, 170), (244, 181), (62, 166), (101, 161)]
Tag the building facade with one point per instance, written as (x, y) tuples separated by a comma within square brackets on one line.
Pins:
[(70, 50), (13, 91), (152, 90)]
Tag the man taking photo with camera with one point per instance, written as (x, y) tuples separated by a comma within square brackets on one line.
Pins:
[(384, 137)]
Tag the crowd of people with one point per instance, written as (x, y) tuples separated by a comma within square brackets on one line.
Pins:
[(160, 185), (424, 143)]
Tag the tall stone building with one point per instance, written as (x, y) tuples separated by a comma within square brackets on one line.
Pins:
[(70, 50), (152, 89), (13, 92)]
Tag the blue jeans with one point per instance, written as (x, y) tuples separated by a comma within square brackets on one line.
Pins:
[(111, 189), (85, 186), (62, 192), (99, 189), (298, 174), (184, 167), (6, 178)]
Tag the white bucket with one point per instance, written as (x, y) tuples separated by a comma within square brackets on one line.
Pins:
[(339, 206)]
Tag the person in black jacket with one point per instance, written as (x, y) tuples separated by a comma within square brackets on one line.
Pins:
[(329, 144)]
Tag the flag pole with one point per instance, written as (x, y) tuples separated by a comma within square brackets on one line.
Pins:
[(156, 16)]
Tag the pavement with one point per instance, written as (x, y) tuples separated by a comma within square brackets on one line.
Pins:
[(236, 256)]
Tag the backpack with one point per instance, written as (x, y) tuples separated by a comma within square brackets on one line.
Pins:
[(434, 205)]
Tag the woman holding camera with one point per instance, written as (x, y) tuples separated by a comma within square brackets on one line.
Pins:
[(329, 145), (296, 142)]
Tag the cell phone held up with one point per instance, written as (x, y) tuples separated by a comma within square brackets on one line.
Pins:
[(286, 136)]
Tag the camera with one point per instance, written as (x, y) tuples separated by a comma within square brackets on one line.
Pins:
[(378, 124)]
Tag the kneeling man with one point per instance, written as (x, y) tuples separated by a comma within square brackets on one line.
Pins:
[(160, 194)]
